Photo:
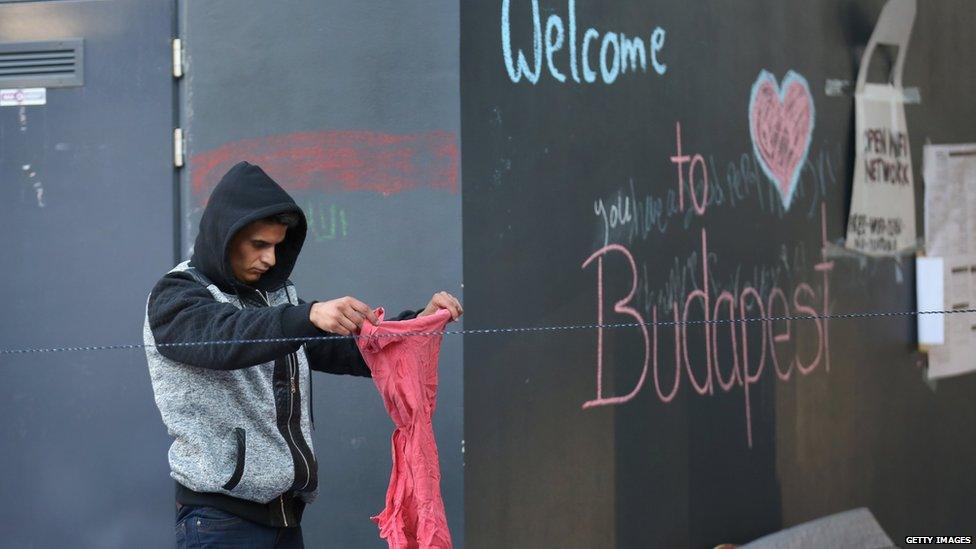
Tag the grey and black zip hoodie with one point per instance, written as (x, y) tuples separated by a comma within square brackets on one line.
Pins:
[(240, 413)]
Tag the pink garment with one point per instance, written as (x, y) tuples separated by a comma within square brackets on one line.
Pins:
[(405, 372)]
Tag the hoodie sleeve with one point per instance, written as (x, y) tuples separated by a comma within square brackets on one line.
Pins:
[(341, 356), (182, 311)]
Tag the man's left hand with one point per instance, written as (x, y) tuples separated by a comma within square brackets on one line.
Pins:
[(444, 300)]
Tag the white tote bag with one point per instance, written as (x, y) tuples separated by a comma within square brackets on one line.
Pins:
[(882, 217)]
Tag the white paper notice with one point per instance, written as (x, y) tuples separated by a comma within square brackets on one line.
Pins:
[(950, 232), (950, 199), (956, 355), (930, 294)]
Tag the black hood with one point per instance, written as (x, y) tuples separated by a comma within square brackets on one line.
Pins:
[(245, 194)]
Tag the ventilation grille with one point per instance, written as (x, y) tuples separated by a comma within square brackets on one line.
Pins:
[(53, 64)]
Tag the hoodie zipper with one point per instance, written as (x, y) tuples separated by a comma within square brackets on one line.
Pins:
[(292, 372), (281, 498), (293, 367)]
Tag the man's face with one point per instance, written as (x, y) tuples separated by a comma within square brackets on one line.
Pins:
[(252, 251)]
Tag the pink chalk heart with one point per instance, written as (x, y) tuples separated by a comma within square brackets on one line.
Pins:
[(781, 126)]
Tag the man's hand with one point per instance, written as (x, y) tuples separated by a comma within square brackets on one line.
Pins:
[(343, 316), (444, 300)]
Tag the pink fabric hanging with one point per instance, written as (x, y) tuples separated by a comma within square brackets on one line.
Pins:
[(405, 372)]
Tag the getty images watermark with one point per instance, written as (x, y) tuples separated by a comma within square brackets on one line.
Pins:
[(939, 539)]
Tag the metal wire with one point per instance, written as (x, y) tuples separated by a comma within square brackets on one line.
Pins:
[(133, 346)]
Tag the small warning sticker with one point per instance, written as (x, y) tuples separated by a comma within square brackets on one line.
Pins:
[(23, 96)]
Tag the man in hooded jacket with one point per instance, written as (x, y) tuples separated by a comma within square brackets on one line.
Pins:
[(241, 413)]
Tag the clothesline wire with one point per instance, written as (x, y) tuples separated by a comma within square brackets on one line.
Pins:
[(479, 331)]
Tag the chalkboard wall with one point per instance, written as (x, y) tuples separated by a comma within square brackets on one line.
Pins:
[(614, 181)]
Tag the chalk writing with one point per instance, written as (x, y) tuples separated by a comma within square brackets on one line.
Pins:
[(325, 221), (618, 54), (619, 307), (618, 214), (746, 364), (781, 120), (680, 278), (696, 160), (628, 214)]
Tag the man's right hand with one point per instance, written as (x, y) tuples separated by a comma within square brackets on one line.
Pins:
[(343, 316)]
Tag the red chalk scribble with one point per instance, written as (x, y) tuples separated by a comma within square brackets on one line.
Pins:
[(337, 161)]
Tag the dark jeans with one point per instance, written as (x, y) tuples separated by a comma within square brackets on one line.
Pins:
[(199, 527)]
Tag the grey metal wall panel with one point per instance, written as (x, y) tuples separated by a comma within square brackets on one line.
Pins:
[(86, 208), (354, 108)]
